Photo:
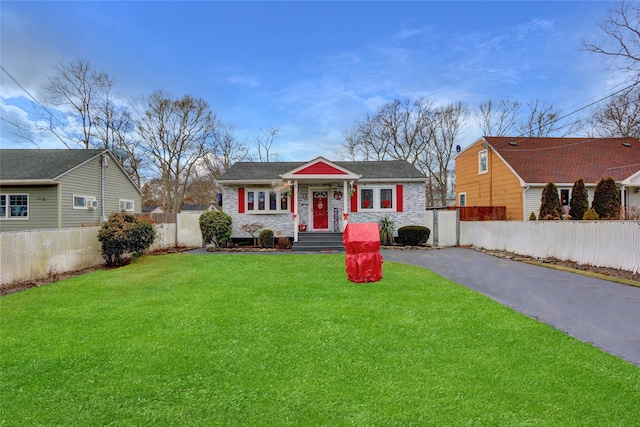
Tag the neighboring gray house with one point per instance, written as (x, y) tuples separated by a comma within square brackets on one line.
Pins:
[(320, 195), (62, 188)]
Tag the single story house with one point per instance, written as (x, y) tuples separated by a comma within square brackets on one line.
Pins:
[(62, 188), (512, 171), (152, 209), (321, 195), (198, 209)]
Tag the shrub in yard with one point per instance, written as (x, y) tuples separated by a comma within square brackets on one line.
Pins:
[(283, 243), (532, 217), (252, 229), (550, 207), (606, 199), (124, 233), (579, 200), (215, 227), (387, 226), (590, 215), (265, 238), (413, 235)]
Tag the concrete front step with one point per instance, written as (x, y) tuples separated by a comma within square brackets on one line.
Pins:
[(318, 242)]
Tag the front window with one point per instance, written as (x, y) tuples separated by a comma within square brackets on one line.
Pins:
[(266, 200), (14, 206), (483, 163), (366, 198), (377, 198), (462, 199)]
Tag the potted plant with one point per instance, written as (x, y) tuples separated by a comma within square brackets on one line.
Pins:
[(366, 203), (386, 203)]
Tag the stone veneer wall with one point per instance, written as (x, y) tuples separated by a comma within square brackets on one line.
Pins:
[(414, 204), (414, 207)]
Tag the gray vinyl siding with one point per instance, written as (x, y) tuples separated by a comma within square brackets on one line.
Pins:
[(533, 198), (42, 204), (85, 180)]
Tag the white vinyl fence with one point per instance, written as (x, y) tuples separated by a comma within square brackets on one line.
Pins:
[(35, 254), (612, 244)]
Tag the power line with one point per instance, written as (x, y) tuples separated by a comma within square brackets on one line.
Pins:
[(52, 117)]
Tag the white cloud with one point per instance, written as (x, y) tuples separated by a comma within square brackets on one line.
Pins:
[(245, 80)]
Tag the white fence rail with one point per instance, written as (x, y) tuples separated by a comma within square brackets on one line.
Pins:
[(612, 244)]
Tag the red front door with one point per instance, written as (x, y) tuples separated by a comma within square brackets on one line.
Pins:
[(320, 210)]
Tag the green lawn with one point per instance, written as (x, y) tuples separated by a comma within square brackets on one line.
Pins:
[(267, 340)]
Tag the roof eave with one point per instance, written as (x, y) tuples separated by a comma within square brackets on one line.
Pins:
[(399, 179), (27, 182)]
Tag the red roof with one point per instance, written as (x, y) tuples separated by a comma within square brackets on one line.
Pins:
[(563, 160)]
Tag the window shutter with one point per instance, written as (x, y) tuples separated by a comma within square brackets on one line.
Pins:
[(354, 199), (292, 200), (241, 200), (399, 198)]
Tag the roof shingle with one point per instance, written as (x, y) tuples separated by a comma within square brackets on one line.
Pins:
[(564, 160), (32, 164), (388, 169)]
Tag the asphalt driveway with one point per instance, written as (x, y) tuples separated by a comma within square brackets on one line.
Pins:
[(599, 312)]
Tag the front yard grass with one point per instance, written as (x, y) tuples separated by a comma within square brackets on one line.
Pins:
[(267, 340)]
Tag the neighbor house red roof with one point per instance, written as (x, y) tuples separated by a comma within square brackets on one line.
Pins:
[(563, 160)]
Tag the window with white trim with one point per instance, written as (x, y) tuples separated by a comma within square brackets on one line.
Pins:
[(462, 199), (483, 162), (266, 201), (126, 205), (377, 198), (84, 202), (14, 206)]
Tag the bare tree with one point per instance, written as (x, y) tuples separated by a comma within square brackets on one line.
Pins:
[(542, 120), (176, 133), (621, 40), (415, 131), (619, 117), (401, 129), (436, 160), (498, 119), (76, 89), (263, 145), (227, 150)]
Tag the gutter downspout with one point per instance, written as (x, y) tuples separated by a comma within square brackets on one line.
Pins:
[(102, 166), (524, 203)]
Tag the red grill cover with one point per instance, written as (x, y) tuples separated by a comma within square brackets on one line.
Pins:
[(361, 242)]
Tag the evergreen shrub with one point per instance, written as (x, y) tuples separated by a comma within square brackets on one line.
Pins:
[(590, 215), (413, 235), (265, 238), (124, 233), (606, 199), (550, 207), (579, 200), (215, 227)]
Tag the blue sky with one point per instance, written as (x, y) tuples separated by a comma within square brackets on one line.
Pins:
[(310, 69)]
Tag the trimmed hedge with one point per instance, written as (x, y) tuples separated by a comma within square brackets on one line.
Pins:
[(265, 239), (413, 235)]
